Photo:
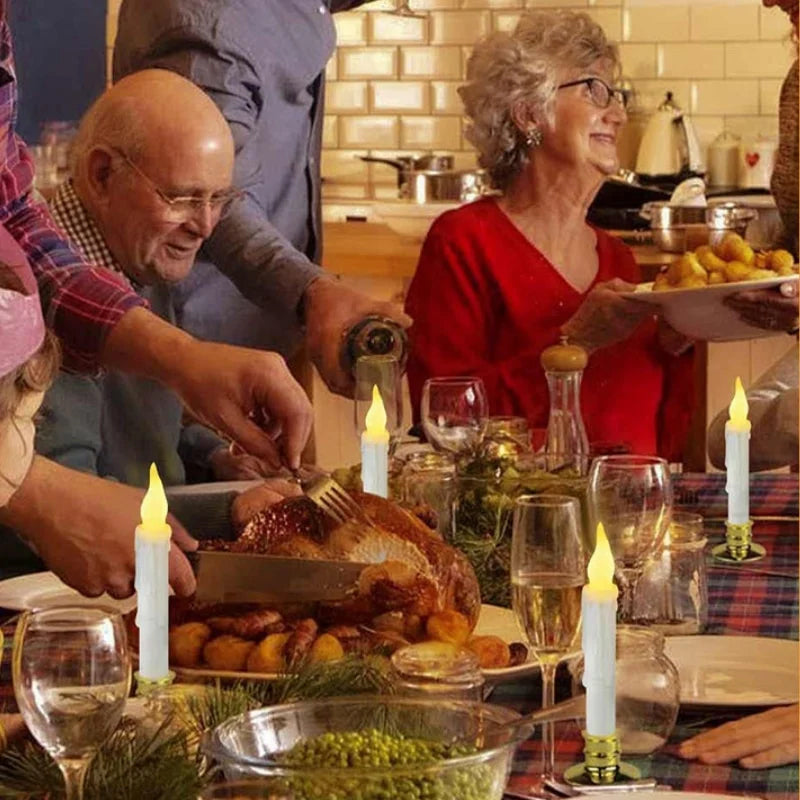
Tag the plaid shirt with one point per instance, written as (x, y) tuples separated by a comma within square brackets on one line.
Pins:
[(81, 303)]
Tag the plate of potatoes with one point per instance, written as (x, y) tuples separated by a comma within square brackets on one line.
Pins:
[(691, 291)]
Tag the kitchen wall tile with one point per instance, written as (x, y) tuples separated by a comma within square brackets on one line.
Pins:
[(386, 28), (427, 5), (707, 129), (112, 22), (431, 132), (344, 191), (724, 97), (351, 28), (430, 62), (723, 21), (610, 20), (384, 174), (344, 166), (399, 96), (774, 24), (380, 5), (465, 159), (459, 27), (113, 6), (757, 59), (367, 62), (638, 60), (651, 93), (492, 3), (445, 97), (346, 96), (330, 132), (605, 2), (332, 68), (504, 20), (655, 23), (371, 131), (690, 60), (770, 94), (556, 3), (751, 127)]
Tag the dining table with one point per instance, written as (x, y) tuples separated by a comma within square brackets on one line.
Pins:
[(758, 598)]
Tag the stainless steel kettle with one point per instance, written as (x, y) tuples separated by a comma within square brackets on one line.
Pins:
[(669, 146)]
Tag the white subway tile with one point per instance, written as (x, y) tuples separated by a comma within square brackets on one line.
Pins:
[(774, 23), (750, 128), (431, 132), (344, 191), (330, 136), (370, 131), (332, 68), (400, 96), (445, 97), (757, 59), (112, 22), (459, 27), (505, 20), (651, 93), (556, 3), (465, 159), (638, 60), (610, 20), (492, 3), (386, 28), (428, 5), (430, 62), (343, 166), (723, 22), (770, 94), (351, 27), (655, 23), (690, 60), (724, 97), (707, 129), (346, 96), (367, 62)]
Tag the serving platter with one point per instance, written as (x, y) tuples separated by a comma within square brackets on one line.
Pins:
[(701, 314)]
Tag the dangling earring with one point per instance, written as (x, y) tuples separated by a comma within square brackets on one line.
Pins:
[(533, 137)]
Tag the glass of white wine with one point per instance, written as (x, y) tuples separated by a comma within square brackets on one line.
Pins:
[(72, 673), (454, 413), (547, 576)]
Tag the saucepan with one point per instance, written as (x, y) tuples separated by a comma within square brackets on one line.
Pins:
[(432, 177)]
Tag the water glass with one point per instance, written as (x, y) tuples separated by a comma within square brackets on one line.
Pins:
[(454, 413), (71, 673), (432, 495)]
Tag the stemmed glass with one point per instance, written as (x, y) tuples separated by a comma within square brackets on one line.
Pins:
[(454, 413), (383, 372), (547, 576), (71, 674), (632, 496)]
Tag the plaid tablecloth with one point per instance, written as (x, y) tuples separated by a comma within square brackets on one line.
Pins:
[(759, 599)]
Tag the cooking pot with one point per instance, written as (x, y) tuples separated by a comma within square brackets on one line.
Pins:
[(677, 229), (432, 177)]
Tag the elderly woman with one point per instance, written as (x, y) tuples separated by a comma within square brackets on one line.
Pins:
[(502, 278)]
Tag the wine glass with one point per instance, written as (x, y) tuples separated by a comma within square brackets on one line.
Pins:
[(71, 674), (547, 576), (384, 372), (632, 496), (454, 413)]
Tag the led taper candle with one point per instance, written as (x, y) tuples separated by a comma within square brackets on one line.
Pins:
[(375, 449), (737, 458)]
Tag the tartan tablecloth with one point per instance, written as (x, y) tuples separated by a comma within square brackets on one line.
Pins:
[(758, 599)]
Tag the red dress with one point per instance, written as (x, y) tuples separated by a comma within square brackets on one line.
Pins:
[(486, 302)]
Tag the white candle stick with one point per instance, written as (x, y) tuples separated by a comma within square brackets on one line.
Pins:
[(599, 639), (152, 582), (737, 458), (375, 449)]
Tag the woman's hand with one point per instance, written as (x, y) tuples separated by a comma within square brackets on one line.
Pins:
[(604, 317), (231, 463), (771, 309), (761, 740)]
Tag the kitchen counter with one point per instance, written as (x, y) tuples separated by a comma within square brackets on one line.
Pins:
[(374, 250)]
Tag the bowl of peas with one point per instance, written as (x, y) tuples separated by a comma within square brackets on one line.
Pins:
[(370, 748)]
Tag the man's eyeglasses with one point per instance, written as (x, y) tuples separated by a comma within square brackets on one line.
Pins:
[(182, 208), (600, 92)]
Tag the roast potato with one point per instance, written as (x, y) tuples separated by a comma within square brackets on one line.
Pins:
[(186, 643), (267, 655), (227, 653), (448, 626), (492, 651)]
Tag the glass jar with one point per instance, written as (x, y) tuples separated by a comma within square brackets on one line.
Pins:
[(437, 671), (648, 689), (506, 437), (672, 594)]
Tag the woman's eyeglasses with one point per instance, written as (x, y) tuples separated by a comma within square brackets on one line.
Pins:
[(182, 208), (600, 92)]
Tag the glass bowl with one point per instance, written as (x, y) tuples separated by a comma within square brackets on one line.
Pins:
[(253, 745)]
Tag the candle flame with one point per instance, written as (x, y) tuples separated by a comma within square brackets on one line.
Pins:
[(376, 416), (601, 564), (154, 505), (737, 410)]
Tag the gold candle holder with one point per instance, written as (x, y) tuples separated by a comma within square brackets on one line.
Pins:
[(602, 765), (739, 546)]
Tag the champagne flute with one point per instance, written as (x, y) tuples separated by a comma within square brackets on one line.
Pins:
[(547, 576), (71, 674), (454, 413), (632, 496), (384, 372)]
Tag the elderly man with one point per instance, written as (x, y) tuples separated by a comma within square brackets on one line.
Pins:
[(151, 176), (263, 64)]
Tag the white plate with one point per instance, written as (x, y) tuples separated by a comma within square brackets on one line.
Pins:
[(659, 794), (44, 589), (735, 670), (493, 620), (701, 314)]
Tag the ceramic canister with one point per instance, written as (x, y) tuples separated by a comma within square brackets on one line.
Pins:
[(757, 162)]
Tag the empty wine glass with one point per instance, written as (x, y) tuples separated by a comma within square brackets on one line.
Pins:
[(71, 674), (454, 413), (632, 496), (547, 576), (383, 372)]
